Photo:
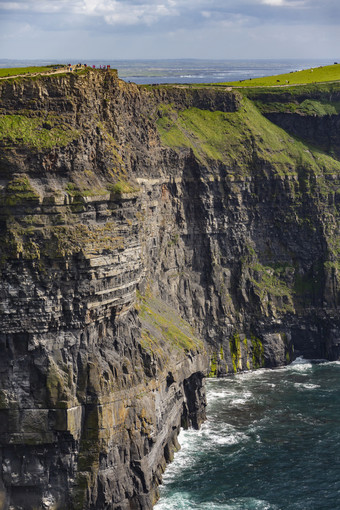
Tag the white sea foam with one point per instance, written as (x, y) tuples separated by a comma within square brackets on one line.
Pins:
[(307, 386), (181, 501), (300, 365), (221, 394), (251, 374), (230, 439), (333, 362), (300, 361), (239, 401), (213, 433)]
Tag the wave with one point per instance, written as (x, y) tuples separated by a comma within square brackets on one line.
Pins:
[(182, 501)]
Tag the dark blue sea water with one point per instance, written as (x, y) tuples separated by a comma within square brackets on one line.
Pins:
[(271, 442), (189, 70)]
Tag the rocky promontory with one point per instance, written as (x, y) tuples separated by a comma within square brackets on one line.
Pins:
[(151, 236)]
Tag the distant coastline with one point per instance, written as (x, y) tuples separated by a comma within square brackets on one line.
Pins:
[(188, 70)]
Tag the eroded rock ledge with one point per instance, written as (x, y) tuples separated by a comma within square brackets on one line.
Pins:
[(149, 237)]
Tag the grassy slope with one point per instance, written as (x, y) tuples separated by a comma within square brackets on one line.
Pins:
[(163, 329), (236, 138), (315, 75), (245, 142), (35, 132)]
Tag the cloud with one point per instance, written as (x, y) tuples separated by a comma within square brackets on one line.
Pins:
[(185, 12), (285, 3), (121, 14), (112, 11), (152, 26)]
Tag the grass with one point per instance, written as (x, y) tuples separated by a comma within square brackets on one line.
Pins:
[(35, 132), (19, 190), (306, 107), (241, 140), (121, 187), (211, 135), (33, 242), (65, 240), (313, 100), (314, 75), (162, 327), (81, 192), (267, 280), (14, 71)]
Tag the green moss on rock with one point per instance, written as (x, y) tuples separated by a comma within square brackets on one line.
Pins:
[(19, 190), (257, 352), (213, 366), (162, 327), (235, 351), (36, 132)]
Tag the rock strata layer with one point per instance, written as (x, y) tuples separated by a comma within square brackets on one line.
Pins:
[(150, 236)]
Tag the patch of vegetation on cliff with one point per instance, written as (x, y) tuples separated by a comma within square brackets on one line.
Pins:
[(235, 352), (242, 140), (243, 349), (307, 107), (271, 288), (310, 100), (257, 352), (215, 360), (66, 240), (80, 192), (35, 132), (163, 328), (212, 135), (33, 242), (213, 365), (18, 190), (122, 187)]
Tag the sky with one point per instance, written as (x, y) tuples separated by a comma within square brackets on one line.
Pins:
[(162, 29)]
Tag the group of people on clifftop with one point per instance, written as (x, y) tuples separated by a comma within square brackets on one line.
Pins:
[(76, 67)]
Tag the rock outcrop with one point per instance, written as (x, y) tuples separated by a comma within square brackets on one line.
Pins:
[(149, 236)]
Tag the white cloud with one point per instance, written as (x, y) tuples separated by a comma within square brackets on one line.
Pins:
[(284, 3), (273, 2), (114, 12)]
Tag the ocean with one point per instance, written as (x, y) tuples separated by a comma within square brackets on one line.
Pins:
[(271, 442), (187, 70)]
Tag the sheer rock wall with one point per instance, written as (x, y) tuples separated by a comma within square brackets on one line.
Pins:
[(133, 263)]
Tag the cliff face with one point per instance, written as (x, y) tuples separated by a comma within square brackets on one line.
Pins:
[(149, 236)]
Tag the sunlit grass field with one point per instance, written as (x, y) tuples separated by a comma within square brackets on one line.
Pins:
[(314, 75), (14, 71)]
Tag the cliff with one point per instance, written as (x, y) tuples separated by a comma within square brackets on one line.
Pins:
[(149, 236)]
